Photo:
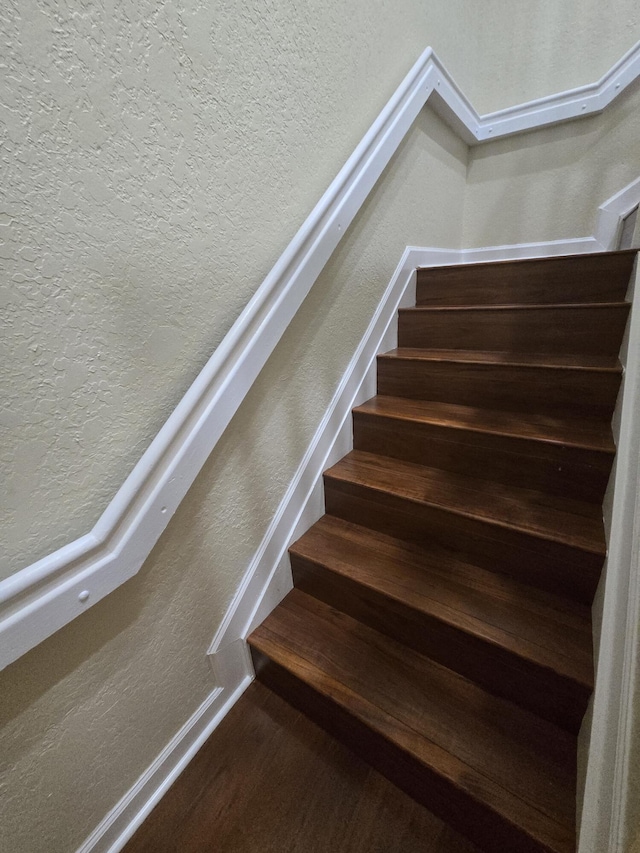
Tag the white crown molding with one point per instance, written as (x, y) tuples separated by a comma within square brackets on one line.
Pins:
[(41, 598)]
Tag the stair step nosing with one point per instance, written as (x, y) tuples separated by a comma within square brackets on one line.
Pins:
[(517, 306), (457, 618), (522, 365), (433, 421), (593, 257), (489, 521), (455, 779)]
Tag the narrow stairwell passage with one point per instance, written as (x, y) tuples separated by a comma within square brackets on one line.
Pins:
[(440, 621)]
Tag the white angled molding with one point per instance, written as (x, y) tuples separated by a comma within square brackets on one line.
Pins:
[(40, 599), (119, 825), (513, 252), (564, 106), (613, 211)]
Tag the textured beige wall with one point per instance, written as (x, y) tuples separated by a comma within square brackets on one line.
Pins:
[(85, 713), (547, 185), (157, 158), (526, 51)]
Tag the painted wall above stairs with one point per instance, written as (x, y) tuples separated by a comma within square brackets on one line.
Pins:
[(115, 686)]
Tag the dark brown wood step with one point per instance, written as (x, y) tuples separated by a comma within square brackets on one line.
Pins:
[(560, 386), (597, 277), (544, 540), (559, 455), (530, 648), (499, 774), (595, 329)]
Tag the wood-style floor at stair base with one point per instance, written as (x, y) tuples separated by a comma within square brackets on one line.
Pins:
[(437, 735), (269, 780), (440, 621)]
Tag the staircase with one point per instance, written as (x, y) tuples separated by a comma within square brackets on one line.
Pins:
[(440, 622)]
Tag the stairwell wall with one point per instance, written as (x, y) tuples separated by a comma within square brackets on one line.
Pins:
[(162, 157), (149, 273), (548, 184)]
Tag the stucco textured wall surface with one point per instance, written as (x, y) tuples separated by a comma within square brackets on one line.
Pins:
[(157, 160), (86, 712), (525, 52), (547, 185)]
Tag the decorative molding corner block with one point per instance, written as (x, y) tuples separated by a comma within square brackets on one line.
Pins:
[(41, 598)]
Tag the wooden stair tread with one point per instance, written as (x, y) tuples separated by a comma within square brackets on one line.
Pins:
[(573, 432), (551, 517), (597, 277), (556, 361), (516, 306), (516, 763), (545, 629)]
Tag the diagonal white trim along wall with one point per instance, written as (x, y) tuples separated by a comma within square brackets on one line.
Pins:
[(40, 599)]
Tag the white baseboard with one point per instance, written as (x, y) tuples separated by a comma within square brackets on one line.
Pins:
[(128, 814), (268, 577), (41, 598)]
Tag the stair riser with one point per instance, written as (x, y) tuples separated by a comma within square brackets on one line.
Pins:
[(552, 566), (571, 393), (557, 469), (588, 331), (440, 795), (558, 280), (537, 689)]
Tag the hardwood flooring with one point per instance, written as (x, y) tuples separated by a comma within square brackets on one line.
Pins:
[(270, 781)]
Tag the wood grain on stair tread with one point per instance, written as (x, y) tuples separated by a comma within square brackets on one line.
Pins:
[(517, 764), (567, 386), (597, 277), (551, 361), (570, 432), (557, 519), (573, 615), (499, 446), (547, 629), (458, 625), (594, 329)]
